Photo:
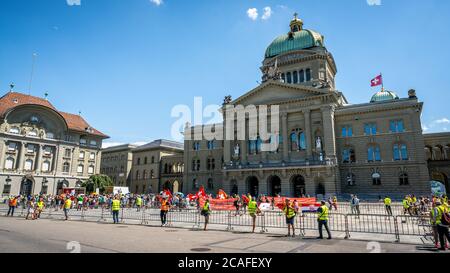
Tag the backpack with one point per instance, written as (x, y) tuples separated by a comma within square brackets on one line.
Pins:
[(445, 220)]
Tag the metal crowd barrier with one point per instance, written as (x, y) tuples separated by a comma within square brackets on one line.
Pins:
[(266, 222)]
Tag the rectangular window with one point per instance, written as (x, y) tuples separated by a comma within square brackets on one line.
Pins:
[(92, 156), (30, 148), (80, 169), (345, 156), (396, 152), (91, 169), (67, 152), (81, 156), (12, 146), (404, 152), (347, 131), (28, 165), (6, 189), (93, 143), (397, 126), (370, 129), (66, 168), (47, 150), (83, 141)]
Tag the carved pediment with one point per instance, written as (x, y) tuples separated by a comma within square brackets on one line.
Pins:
[(275, 92)]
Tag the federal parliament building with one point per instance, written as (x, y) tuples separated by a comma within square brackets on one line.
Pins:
[(327, 145)]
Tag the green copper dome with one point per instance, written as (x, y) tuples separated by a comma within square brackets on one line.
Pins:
[(384, 95), (292, 41)]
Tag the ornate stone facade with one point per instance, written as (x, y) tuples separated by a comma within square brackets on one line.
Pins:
[(327, 146), (42, 149)]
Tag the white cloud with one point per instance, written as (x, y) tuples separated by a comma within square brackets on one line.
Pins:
[(374, 2), (282, 6), (110, 144), (252, 13), (442, 121), (267, 13), (425, 128), (73, 2), (157, 2)]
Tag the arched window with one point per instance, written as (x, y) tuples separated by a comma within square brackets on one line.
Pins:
[(198, 165), (139, 161), (302, 75), (32, 133), (28, 165), (348, 155), (194, 184), (295, 76), (302, 141), (308, 74), (91, 169), (376, 179), (14, 130), (145, 174), (373, 153), (403, 179), (351, 179), (210, 184), (294, 141), (283, 77), (80, 169), (258, 145), (252, 146), (50, 135), (9, 163), (66, 167), (152, 174), (289, 77), (46, 166), (153, 159), (145, 161), (400, 152), (138, 175)]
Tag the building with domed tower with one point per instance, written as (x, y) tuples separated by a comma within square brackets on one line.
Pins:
[(327, 145), (42, 149)]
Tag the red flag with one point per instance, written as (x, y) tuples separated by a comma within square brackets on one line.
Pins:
[(378, 80), (245, 198), (201, 192), (168, 193), (222, 195)]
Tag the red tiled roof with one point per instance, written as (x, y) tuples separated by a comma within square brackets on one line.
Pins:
[(74, 122)]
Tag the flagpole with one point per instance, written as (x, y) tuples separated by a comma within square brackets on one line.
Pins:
[(382, 82)]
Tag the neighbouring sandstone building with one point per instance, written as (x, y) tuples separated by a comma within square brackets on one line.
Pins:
[(43, 150)]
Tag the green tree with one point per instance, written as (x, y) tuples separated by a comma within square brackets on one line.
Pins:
[(99, 181)]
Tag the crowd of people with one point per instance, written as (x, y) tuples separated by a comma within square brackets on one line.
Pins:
[(437, 207)]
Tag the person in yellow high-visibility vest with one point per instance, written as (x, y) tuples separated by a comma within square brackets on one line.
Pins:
[(387, 204), (406, 205), (115, 208), (138, 202), (442, 224), (40, 207), (322, 219), (206, 211), (289, 212), (434, 213), (67, 206), (253, 210)]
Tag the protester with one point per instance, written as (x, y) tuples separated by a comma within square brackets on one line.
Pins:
[(164, 210), (67, 205), (12, 204), (289, 212), (206, 211), (253, 210), (39, 208), (323, 220), (115, 208), (442, 222)]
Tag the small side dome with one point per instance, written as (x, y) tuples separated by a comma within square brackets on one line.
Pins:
[(384, 95)]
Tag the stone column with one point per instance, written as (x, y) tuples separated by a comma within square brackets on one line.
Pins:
[(308, 133), (328, 131), (21, 157), (243, 146), (2, 154), (284, 133), (39, 159)]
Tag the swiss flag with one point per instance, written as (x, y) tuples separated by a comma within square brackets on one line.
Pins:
[(201, 192), (377, 81)]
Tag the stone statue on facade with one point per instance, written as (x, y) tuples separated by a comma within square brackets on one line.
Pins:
[(227, 100), (237, 150), (272, 72)]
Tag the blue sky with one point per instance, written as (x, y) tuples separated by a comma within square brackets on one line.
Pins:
[(125, 63)]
